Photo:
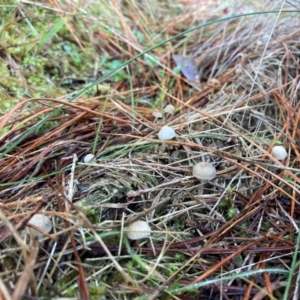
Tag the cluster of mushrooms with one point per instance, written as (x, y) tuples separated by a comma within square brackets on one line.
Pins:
[(203, 171), (137, 230)]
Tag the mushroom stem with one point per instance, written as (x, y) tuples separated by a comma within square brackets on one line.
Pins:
[(201, 188), (204, 172), (163, 147)]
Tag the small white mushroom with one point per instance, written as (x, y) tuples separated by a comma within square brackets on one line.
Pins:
[(157, 114), (88, 158), (41, 221), (169, 109), (279, 152), (204, 171), (138, 230), (166, 133)]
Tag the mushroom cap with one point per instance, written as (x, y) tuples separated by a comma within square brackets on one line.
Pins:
[(204, 171), (169, 109), (138, 230), (157, 114), (41, 221), (279, 152), (166, 133), (88, 157)]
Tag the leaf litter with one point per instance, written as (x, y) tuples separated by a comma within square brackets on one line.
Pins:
[(237, 239)]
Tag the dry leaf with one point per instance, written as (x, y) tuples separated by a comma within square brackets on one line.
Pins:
[(188, 66)]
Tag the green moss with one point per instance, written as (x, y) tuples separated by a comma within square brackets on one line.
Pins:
[(96, 291), (227, 205), (6, 102), (109, 65), (266, 226), (92, 215), (37, 53), (4, 131)]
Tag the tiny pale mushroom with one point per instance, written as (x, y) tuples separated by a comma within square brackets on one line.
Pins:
[(204, 171), (169, 109), (279, 152), (88, 157), (157, 114), (138, 230), (41, 221), (166, 133)]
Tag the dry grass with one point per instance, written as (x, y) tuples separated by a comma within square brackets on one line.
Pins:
[(237, 240)]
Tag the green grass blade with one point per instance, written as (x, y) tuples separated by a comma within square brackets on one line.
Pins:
[(46, 37), (286, 295)]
